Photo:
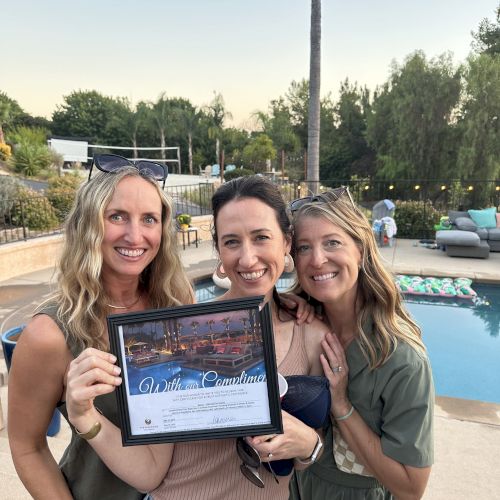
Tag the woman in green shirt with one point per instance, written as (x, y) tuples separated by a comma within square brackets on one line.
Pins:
[(380, 442)]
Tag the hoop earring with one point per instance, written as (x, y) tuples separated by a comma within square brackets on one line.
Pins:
[(219, 270), (289, 263)]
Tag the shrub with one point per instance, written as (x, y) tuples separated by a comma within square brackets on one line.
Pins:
[(200, 196), (30, 159), (33, 211), (239, 172), (5, 151), (9, 188), (415, 219), (61, 193)]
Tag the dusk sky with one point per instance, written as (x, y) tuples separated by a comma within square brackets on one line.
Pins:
[(248, 50)]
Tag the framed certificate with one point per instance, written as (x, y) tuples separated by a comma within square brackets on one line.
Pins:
[(204, 371)]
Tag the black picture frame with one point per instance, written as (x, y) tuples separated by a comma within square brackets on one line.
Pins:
[(202, 371)]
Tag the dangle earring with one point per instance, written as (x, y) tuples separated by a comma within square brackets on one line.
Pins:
[(219, 270), (289, 263)]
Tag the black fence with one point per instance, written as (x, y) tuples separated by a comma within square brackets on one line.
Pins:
[(26, 218), (419, 203)]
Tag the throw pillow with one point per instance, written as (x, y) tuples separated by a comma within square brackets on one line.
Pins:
[(498, 220), (484, 218), (465, 224), (454, 214)]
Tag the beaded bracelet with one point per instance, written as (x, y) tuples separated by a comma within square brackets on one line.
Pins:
[(346, 416)]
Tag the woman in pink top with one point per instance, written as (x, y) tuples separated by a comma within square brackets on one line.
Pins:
[(252, 234)]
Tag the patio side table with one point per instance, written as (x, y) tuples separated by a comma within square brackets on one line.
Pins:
[(188, 232)]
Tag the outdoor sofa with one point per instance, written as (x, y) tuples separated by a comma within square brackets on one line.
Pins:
[(474, 233)]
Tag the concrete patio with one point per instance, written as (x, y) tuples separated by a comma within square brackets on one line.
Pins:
[(467, 433)]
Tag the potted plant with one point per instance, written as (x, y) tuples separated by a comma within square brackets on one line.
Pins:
[(184, 220)]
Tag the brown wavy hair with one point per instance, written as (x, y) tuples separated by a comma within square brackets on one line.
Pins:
[(81, 299), (378, 299)]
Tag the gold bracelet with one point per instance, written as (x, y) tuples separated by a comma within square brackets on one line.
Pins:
[(92, 433)]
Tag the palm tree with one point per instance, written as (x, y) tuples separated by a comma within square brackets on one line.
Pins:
[(226, 322), (189, 119), (161, 114), (194, 326), (217, 114), (314, 98), (128, 121)]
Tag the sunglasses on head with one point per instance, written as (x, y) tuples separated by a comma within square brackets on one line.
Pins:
[(251, 463), (110, 163), (326, 197)]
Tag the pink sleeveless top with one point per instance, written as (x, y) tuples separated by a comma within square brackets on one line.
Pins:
[(210, 470)]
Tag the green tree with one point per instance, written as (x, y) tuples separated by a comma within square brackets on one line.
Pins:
[(188, 119), (487, 38), (313, 131), (277, 125), (161, 113), (258, 152), (297, 102), (126, 122), (86, 113), (346, 153), (216, 113), (479, 153), (9, 110), (410, 124)]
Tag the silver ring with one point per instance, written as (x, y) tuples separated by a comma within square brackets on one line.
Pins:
[(336, 369), (269, 455)]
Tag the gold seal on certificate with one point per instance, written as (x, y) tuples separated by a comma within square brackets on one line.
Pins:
[(204, 371)]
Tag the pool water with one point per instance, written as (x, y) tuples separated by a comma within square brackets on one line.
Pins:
[(462, 338)]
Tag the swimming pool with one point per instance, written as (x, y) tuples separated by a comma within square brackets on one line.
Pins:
[(462, 339)]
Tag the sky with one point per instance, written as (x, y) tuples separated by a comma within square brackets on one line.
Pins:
[(249, 51)]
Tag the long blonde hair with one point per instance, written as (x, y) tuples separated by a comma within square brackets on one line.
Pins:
[(81, 299), (378, 299)]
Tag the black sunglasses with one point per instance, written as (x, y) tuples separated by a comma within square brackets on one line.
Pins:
[(110, 163), (251, 463), (326, 197)]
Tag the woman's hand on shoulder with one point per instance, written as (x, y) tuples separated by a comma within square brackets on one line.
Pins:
[(297, 440), (91, 374), (298, 307)]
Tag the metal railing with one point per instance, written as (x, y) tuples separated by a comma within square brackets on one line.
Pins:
[(25, 218)]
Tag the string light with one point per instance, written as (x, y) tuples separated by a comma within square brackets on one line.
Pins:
[(367, 187), (391, 187), (443, 188), (417, 187), (470, 188), (497, 188)]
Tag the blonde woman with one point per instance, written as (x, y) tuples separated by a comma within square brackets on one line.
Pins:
[(119, 255), (380, 443)]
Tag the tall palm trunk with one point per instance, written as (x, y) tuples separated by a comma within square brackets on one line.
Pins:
[(314, 98), (162, 142), (190, 152)]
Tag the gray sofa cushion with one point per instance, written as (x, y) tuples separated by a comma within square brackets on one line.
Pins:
[(457, 238), (454, 214), (483, 233), (494, 234), (465, 224)]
